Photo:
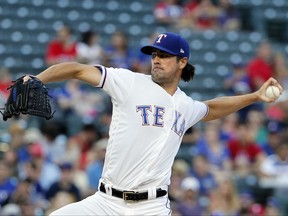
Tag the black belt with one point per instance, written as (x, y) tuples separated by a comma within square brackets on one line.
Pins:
[(132, 195)]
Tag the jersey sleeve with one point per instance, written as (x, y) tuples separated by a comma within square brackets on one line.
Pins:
[(197, 110), (117, 82)]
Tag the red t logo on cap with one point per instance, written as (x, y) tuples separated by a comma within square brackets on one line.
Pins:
[(160, 38)]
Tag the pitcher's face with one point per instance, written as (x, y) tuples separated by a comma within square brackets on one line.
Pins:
[(164, 67)]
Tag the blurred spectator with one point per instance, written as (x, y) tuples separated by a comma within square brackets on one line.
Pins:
[(246, 156), (188, 9), (82, 183), (32, 135), (256, 125), (54, 140), (274, 170), (180, 170), (10, 158), (27, 193), (168, 11), (224, 199), (11, 209), (215, 151), (201, 16), (142, 63), (272, 208), (279, 110), (103, 123), (28, 209), (77, 104), (281, 68), (237, 82), (200, 170), (8, 183), (22, 192), (79, 145), (95, 167), (6, 80), (189, 201), (281, 73), (88, 49), (187, 148), (62, 48), (243, 148), (190, 5), (191, 136), (118, 54), (60, 199), (260, 67), (16, 131), (248, 206), (229, 126), (38, 168), (229, 18), (274, 134), (215, 125), (65, 183)]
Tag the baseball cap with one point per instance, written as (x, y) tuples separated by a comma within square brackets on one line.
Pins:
[(190, 183), (101, 144), (10, 210), (173, 44), (36, 150), (274, 127), (65, 165)]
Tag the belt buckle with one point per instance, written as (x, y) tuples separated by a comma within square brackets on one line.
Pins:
[(126, 195)]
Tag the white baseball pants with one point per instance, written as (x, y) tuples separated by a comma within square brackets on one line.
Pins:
[(103, 204)]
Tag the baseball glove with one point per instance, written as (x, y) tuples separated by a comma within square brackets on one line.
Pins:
[(30, 98)]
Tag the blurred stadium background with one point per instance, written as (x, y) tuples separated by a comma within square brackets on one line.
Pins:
[(27, 26)]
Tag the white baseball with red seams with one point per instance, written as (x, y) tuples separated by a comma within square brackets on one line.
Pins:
[(272, 92)]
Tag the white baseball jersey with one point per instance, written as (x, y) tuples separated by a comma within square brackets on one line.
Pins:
[(146, 129)]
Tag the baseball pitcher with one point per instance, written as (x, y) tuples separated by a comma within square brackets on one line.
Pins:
[(150, 117)]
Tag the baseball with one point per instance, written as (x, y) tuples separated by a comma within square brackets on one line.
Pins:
[(273, 92)]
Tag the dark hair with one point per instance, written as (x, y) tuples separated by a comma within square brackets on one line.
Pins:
[(86, 36), (53, 128), (187, 72), (88, 127)]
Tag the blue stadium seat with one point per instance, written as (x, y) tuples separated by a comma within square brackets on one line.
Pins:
[(222, 46), (255, 37)]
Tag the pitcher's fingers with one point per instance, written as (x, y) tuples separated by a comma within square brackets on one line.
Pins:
[(272, 81), (280, 87), (277, 84)]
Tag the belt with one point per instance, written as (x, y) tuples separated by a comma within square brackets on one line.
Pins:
[(132, 195)]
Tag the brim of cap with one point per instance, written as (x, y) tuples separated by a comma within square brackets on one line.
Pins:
[(149, 49)]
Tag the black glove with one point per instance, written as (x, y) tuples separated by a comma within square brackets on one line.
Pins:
[(30, 98)]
